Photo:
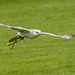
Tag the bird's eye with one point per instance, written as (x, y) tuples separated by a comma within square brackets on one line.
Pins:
[(36, 32)]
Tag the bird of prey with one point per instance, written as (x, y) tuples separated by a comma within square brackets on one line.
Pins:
[(29, 33)]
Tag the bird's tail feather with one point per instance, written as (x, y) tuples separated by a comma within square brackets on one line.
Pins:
[(13, 38)]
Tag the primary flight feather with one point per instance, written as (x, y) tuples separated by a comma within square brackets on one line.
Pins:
[(30, 34)]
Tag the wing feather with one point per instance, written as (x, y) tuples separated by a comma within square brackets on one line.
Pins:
[(18, 29), (64, 36), (51, 34)]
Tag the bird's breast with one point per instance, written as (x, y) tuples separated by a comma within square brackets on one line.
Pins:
[(27, 35)]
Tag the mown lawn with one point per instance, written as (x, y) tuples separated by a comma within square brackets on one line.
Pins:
[(45, 55)]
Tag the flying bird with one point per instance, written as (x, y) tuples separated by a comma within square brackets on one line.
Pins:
[(30, 34)]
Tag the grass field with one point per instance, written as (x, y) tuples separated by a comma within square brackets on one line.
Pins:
[(45, 55)]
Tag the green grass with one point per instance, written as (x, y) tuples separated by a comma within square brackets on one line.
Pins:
[(45, 55)]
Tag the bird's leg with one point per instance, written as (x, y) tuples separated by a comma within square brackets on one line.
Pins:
[(13, 44)]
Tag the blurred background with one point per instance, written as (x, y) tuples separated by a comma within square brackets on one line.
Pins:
[(45, 55)]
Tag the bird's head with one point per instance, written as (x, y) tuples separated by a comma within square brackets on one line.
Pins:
[(36, 32)]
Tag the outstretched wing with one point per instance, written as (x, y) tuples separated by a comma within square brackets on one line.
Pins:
[(68, 36), (18, 29), (64, 36)]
